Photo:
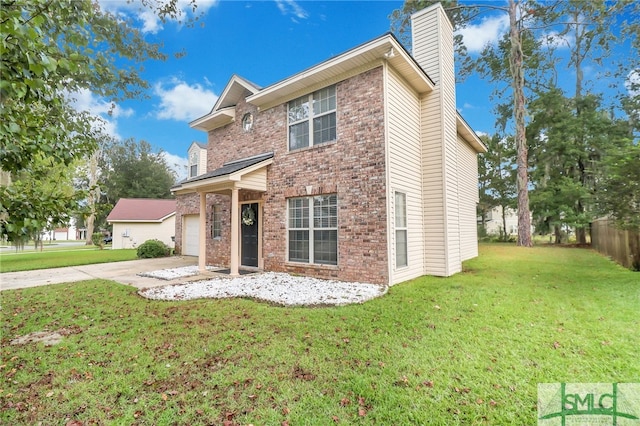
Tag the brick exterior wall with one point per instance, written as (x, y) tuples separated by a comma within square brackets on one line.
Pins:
[(353, 167)]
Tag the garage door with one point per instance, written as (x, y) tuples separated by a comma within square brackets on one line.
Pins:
[(191, 235)]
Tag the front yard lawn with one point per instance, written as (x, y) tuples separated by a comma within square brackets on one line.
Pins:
[(12, 262), (469, 349)]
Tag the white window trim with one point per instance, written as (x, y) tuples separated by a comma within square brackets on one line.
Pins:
[(310, 229), (310, 119)]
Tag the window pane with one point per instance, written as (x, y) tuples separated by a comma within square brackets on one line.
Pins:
[(325, 247), (324, 128), (324, 100), (299, 135), (299, 109), (194, 170), (401, 210), (401, 248), (299, 213), (325, 211), (216, 226), (299, 246)]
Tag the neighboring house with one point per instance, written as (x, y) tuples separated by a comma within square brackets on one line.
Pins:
[(494, 225), (136, 220), (357, 169)]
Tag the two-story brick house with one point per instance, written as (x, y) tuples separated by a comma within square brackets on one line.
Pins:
[(359, 168)]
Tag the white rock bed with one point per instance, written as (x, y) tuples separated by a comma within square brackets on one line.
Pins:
[(278, 288), (173, 273)]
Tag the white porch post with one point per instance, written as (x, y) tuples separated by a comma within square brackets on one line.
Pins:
[(235, 234), (202, 251)]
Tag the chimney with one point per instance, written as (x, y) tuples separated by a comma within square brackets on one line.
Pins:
[(433, 50)]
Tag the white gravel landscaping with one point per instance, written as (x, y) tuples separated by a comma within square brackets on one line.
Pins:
[(173, 273), (278, 288)]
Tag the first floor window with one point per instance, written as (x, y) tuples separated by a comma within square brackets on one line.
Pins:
[(401, 229), (216, 222), (313, 229)]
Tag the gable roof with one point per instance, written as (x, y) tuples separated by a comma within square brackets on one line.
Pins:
[(223, 112), (142, 210), (228, 170), (198, 144)]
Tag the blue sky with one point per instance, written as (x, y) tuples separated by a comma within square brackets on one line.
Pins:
[(264, 42)]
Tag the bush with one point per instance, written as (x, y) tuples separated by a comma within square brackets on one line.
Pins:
[(97, 239), (153, 248)]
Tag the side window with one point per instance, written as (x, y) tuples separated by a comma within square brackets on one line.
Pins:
[(401, 229), (216, 222)]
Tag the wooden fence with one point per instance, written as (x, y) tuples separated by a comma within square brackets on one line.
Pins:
[(621, 246)]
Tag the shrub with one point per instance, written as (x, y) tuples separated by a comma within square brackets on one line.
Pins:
[(98, 239), (153, 248)]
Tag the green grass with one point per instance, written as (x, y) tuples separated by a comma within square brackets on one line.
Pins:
[(468, 349), (11, 262)]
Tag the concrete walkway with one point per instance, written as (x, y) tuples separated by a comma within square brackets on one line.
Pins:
[(123, 272)]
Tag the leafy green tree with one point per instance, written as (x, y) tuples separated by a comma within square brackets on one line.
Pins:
[(37, 201), (567, 149), (49, 51), (496, 178), (130, 169)]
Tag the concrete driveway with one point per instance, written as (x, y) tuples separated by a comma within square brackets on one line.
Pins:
[(123, 272)]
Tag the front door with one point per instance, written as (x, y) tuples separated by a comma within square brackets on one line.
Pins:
[(249, 234)]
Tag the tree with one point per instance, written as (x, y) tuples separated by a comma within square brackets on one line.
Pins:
[(51, 50), (129, 169), (496, 180), (505, 64), (568, 149), (36, 201), (619, 189)]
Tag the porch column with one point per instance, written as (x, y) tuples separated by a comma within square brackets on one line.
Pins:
[(202, 251), (235, 234)]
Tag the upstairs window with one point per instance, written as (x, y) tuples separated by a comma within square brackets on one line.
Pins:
[(312, 119), (193, 164)]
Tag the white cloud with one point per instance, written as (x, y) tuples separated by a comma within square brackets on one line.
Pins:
[(108, 113), (488, 31), (183, 102), (147, 16), (557, 40), (291, 7), (177, 164)]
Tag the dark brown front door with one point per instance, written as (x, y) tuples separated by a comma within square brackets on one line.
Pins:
[(249, 234)]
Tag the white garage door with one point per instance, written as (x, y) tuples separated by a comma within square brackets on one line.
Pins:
[(191, 243)]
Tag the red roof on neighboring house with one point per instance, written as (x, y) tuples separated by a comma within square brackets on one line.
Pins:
[(142, 210)]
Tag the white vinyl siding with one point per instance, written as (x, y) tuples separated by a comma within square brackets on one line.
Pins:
[(127, 235), (197, 161), (468, 190), (433, 49), (405, 174)]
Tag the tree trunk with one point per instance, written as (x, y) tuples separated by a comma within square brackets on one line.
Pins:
[(504, 225), (515, 64), (94, 196), (558, 233)]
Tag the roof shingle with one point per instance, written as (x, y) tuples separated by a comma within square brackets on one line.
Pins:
[(141, 210)]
